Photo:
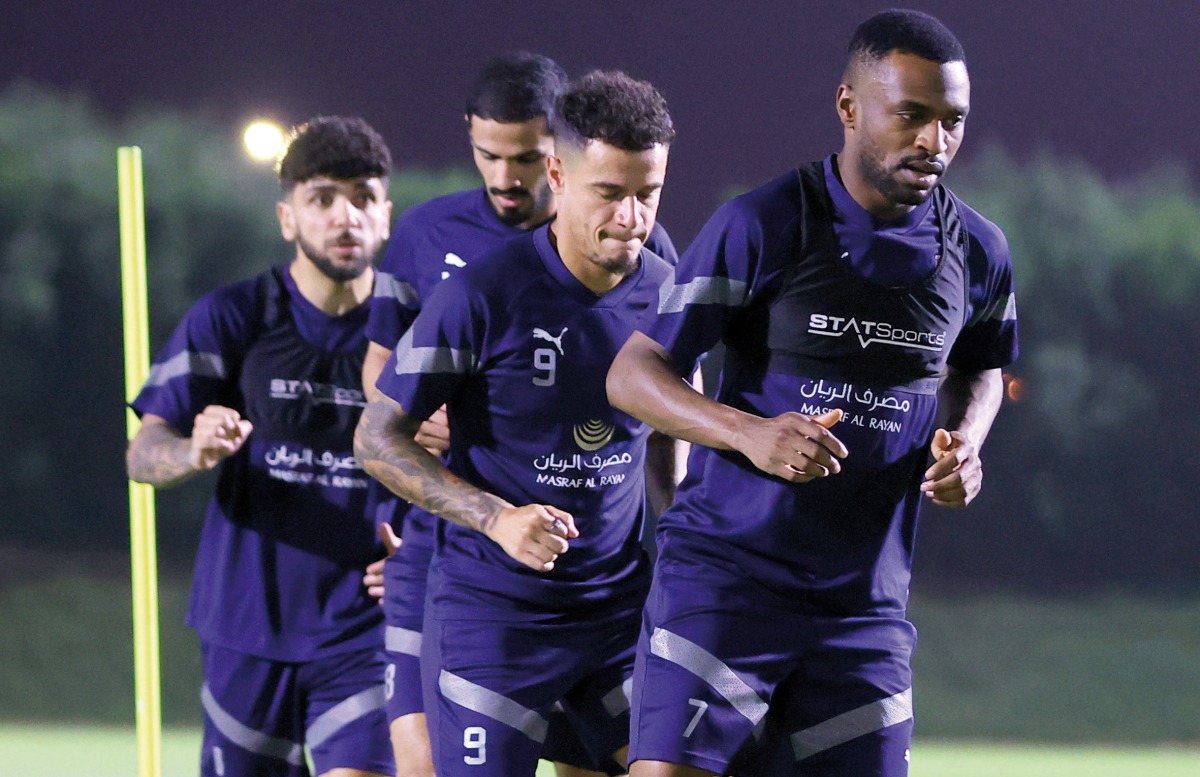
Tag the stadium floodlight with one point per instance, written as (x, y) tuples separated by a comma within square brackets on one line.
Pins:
[(263, 140)]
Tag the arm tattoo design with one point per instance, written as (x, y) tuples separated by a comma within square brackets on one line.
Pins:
[(160, 456), (384, 445)]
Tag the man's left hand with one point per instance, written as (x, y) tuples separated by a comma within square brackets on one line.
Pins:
[(957, 473)]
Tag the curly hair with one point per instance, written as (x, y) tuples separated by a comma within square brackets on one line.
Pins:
[(610, 106), (340, 147)]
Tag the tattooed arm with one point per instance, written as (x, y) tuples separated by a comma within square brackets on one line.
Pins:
[(161, 456), (384, 443)]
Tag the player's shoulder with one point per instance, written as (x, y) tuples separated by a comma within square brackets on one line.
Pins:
[(228, 314), (236, 297), (771, 205), (752, 228), (424, 229), (986, 238), (782, 193), (430, 213), (509, 263), (492, 285)]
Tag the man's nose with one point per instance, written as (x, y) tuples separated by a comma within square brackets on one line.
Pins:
[(344, 212), (628, 212), (934, 138), (508, 175)]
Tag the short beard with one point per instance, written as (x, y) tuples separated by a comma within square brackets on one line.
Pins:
[(878, 178), (542, 197), (539, 202), (621, 266), (514, 216), (334, 272)]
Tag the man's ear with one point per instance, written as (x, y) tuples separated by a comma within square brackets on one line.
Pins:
[(847, 106), (287, 220), (555, 174)]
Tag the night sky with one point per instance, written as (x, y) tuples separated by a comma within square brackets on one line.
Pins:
[(750, 84)]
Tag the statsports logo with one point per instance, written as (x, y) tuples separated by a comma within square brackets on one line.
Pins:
[(869, 332), (320, 393)]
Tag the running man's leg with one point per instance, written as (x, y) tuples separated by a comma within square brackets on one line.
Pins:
[(491, 689), (848, 708), (346, 726), (251, 724), (404, 609), (714, 646)]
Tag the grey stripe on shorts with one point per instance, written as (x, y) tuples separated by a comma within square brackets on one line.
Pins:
[(866, 719), (345, 711), (476, 698), (247, 738), (616, 701), (406, 641), (711, 670)]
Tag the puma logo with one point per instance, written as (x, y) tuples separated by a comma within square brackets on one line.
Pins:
[(542, 334), (454, 260)]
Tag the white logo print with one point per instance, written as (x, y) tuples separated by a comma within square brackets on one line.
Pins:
[(318, 393), (454, 260), (542, 334), (593, 435), (869, 332)]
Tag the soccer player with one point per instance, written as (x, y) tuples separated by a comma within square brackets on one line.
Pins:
[(854, 296), (508, 113), (263, 379), (538, 578)]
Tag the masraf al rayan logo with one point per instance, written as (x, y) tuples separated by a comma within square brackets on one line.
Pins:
[(593, 435), (874, 332)]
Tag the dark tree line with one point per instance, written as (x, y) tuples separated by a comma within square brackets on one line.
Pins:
[(1088, 475), (1089, 482)]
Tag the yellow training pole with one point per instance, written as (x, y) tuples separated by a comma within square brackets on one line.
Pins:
[(143, 546)]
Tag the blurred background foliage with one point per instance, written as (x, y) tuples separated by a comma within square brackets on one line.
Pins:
[(1087, 516)]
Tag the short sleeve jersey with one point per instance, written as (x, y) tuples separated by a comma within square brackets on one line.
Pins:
[(430, 243), (818, 309), (518, 350), (286, 535)]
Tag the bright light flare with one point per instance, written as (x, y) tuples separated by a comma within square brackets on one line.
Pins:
[(264, 140), (1014, 387)]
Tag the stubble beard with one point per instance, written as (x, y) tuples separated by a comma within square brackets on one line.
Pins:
[(885, 182), (338, 273), (538, 203), (621, 265)]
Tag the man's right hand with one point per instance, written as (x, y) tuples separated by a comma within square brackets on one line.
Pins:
[(217, 433), (794, 446), (535, 535), (373, 579)]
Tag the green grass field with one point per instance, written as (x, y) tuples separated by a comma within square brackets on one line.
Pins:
[(65, 751), (1118, 669)]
